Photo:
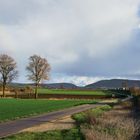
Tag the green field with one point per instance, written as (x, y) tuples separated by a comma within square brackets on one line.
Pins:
[(11, 109), (73, 92)]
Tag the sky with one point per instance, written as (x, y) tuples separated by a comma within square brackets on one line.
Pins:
[(83, 40)]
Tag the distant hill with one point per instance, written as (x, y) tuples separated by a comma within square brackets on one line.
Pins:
[(52, 85), (113, 83), (60, 86)]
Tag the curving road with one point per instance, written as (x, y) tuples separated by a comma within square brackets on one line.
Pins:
[(16, 126)]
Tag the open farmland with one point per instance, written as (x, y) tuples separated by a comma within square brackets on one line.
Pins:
[(74, 92), (18, 108), (44, 93)]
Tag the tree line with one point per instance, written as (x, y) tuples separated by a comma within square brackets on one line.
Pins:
[(37, 68)]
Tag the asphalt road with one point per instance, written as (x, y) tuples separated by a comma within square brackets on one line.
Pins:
[(13, 127)]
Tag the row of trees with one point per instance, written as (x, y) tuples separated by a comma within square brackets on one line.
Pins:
[(38, 69)]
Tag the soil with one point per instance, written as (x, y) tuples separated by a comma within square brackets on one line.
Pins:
[(59, 124)]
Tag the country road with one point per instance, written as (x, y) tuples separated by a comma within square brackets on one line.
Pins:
[(13, 127)]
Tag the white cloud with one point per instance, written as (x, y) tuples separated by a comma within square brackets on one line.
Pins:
[(82, 80), (77, 80)]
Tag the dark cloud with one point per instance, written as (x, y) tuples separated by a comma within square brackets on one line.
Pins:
[(81, 39), (124, 62)]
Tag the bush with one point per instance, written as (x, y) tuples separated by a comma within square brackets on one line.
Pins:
[(100, 110), (89, 116), (105, 108), (79, 117)]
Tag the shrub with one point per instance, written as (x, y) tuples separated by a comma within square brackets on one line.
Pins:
[(79, 117), (89, 116), (116, 124), (105, 108)]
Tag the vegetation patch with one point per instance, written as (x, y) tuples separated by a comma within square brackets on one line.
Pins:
[(72, 134), (104, 123), (84, 117), (117, 124)]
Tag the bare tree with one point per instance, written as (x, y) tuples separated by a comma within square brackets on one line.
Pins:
[(38, 69), (7, 70)]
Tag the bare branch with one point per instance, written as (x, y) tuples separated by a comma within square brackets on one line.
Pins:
[(8, 70), (38, 69)]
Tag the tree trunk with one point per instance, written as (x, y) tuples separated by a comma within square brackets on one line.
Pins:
[(36, 91), (3, 89), (16, 93)]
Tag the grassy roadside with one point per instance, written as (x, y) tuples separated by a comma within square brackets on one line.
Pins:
[(72, 134), (117, 124), (11, 109), (85, 117)]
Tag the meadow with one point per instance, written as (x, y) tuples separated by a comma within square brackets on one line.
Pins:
[(11, 109), (73, 92)]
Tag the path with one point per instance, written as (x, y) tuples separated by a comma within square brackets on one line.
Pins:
[(16, 126)]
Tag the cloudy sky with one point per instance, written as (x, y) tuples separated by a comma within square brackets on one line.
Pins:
[(83, 40)]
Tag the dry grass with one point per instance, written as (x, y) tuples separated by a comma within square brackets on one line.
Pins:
[(58, 124), (116, 124)]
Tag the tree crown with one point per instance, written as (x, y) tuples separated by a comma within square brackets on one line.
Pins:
[(38, 69), (7, 68)]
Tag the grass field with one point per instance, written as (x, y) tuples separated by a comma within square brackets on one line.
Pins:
[(73, 92), (11, 109)]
